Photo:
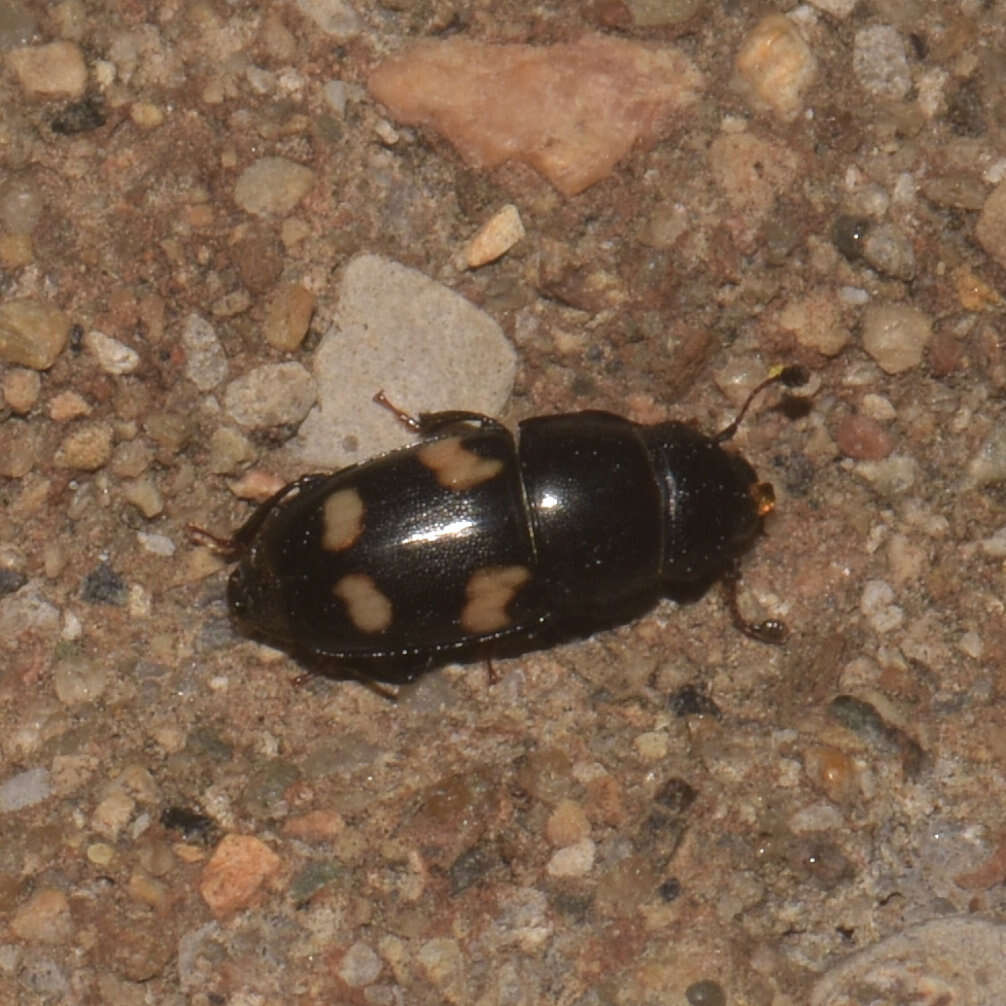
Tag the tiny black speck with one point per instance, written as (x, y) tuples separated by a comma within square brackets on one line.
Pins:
[(471, 866), (193, 825), (706, 993), (81, 116), (11, 580), (689, 700), (669, 889), (104, 586), (676, 795)]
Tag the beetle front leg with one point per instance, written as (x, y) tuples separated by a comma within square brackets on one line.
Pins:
[(434, 422), (771, 630)]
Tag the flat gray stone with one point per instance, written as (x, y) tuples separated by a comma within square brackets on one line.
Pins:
[(425, 346), (958, 961)]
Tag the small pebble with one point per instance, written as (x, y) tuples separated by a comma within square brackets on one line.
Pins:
[(86, 448), (229, 450), (130, 459), (205, 360), (78, 679), (970, 642), (495, 237), (652, 745), (32, 333), (575, 860), (444, 965), (891, 476), (16, 250), (20, 388), (113, 813), (567, 824), (336, 18), (862, 438), (879, 61), (777, 65), (21, 203), (156, 544), (66, 406), (816, 321), (103, 585), (878, 607), (706, 993), (991, 226), (144, 495), (25, 789), (359, 965), (113, 357), (54, 70), (272, 186), (832, 771), (995, 545), (239, 866), (896, 335), (148, 891), (973, 292), (45, 918), (100, 853), (988, 465), (889, 250), (287, 316), (837, 8), (274, 394), (878, 407), (315, 826), (146, 114)]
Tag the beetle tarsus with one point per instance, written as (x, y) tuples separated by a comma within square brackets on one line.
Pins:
[(225, 547), (400, 414)]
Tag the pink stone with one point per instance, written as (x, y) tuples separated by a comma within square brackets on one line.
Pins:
[(571, 111)]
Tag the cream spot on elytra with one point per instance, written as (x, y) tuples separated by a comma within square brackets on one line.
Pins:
[(489, 591), (342, 520), (369, 610), (456, 467)]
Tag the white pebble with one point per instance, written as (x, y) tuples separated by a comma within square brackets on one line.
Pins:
[(878, 607), (574, 860), (880, 63)]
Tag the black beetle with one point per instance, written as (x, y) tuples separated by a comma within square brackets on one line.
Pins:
[(475, 542)]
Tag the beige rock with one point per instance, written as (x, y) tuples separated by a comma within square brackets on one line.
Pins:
[(32, 333), (777, 65), (288, 315), (55, 70), (45, 918), (495, 237), (991, 227), (592, 100)]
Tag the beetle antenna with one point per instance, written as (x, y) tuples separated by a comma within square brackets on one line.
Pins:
[(791, 377)]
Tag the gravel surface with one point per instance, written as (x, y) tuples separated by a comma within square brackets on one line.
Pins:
[(225, 226)]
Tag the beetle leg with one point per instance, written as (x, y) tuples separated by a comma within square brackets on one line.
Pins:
[(220, 546), (400, 414), (434, 422), (771, 630)]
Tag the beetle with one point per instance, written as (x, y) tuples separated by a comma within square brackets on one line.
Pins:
[(475, 542)]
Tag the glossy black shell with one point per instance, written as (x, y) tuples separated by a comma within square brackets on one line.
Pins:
[(476, 543)]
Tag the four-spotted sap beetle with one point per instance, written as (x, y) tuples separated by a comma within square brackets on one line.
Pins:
[(479, 543)]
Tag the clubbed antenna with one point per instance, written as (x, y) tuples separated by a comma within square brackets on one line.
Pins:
[(792, 377)]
